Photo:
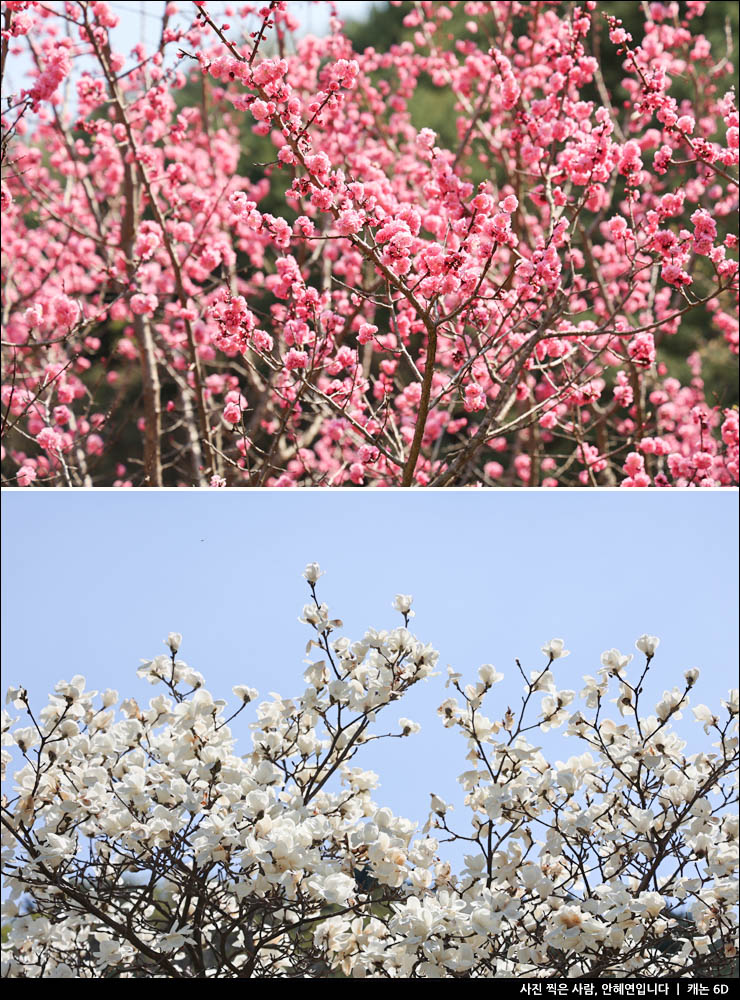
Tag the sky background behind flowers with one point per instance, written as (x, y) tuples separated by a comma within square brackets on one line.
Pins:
[(93, 582), (142, 22)]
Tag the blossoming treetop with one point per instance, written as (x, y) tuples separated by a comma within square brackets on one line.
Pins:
[(364, 308), (139, 843)]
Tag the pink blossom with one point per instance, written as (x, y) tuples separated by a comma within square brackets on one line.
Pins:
[(617, 227), (146, 243), (642, 349), (66, 312), (675, 275), (56, 68), (295, 360), (94, 445), (143, 305), (104, 15), (345, 72), (25, 475), (523, 466), (34, 315), (475, 397), (232, 413), (49, 439), (366, 333), (426, 139), (349, 222), (705, 231), (20, 25), (262, 110), (634, 464), (430, 302)]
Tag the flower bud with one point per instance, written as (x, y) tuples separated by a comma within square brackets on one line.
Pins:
[(312, 572), (403, 604), (647, 644), (173, 640)]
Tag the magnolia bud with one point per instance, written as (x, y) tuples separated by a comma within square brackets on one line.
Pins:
[(173, 640), (647, 644), (312, 572)]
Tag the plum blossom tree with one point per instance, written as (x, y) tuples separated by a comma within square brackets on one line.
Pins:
[(369, 307), (139, 843)]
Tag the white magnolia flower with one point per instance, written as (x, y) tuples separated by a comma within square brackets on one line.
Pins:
[(542, 680), (733, 701), (317, 674), (594, 690), (642, 819), (439, 805), (670, 704), (155, 670), (624, 702), (17, 696), (402, 603), (450, 712), (312, 572), (554, 649), (291, 831), (244, 693), (26, 738), (567, 781), (336, 888), (554, 709), (647, 644), (649, 902), (614, 661), (174, 641), (74, 690), (408, 727), (453, 677), (704, 714), (489, 675)]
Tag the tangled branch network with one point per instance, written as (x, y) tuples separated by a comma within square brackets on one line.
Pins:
[(241, 257), (138, 843)]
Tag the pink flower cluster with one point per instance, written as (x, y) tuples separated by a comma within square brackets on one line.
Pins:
[(231, 237)]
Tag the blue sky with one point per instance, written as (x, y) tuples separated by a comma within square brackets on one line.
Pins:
[(94, 581)]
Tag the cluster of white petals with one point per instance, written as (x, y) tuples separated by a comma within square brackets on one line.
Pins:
[(137, 841)]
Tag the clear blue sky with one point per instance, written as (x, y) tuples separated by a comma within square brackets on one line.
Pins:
[(93, 582)]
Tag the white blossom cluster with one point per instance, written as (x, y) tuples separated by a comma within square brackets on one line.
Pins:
[(138, 843)]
